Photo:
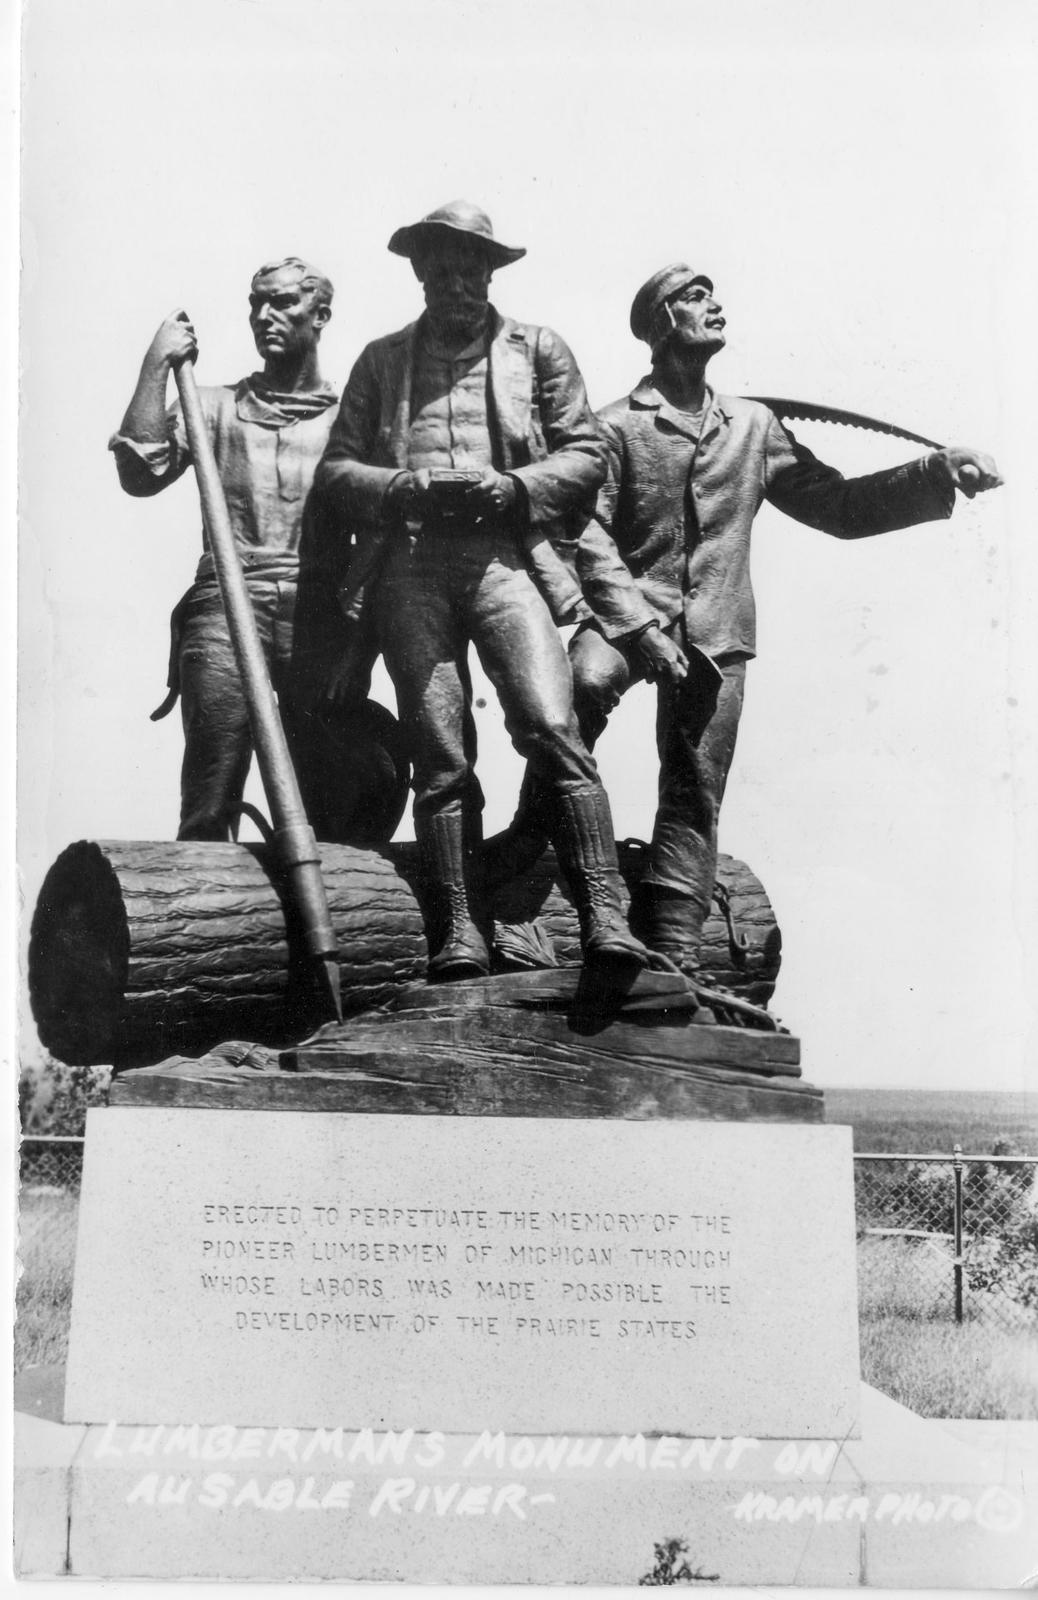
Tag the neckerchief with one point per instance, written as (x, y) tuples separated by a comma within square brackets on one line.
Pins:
[(256, 401)]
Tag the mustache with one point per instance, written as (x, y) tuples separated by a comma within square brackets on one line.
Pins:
[(448, 299)]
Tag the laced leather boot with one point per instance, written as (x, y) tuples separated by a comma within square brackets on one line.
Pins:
[(586, 853), (463, 949)]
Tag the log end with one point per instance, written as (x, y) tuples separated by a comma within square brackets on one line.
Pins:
[(79, 951), (354, 773)]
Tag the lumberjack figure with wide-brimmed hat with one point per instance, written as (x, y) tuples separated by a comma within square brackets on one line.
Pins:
[(463, 451), (664, 566), (268, 433)]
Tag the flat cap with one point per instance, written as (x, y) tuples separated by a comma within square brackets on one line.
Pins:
[(655, 293), (458, 216)]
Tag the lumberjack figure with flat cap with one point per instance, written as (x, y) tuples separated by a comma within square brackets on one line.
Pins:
[(664, 566), (464, 447), (268, 433)]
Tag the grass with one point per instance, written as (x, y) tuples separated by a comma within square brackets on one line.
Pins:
[(46, 1253), (913, 1350), (941, 1369), (908, 1279)]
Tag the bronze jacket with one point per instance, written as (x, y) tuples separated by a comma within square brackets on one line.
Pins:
[(671, 531), (543, 433)]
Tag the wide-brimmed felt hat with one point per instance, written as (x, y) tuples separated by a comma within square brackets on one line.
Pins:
[(458, 216), (655, 293)]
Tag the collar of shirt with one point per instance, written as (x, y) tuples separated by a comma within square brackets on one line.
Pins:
[(646, 397), (256, 401)]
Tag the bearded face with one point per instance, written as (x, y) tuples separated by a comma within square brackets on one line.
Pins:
[(455, 273)]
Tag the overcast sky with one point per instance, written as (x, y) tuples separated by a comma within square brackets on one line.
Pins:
[(859, 181)]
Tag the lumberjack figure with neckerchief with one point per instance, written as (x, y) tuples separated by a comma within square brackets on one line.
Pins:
[(664, 566), (268, 433)]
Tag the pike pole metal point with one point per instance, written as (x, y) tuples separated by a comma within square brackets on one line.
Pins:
[(292, 837)]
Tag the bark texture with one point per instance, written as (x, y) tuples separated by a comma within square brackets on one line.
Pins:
[(141, 950)]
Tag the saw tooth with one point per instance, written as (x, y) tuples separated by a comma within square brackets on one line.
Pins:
[(809, 411)]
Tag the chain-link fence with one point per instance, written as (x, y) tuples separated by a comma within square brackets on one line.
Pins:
[(948, 1237), (50, 1162)]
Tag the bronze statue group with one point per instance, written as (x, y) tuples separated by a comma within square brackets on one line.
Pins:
[(462, 492)]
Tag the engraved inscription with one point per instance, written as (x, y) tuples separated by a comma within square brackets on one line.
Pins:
[(410, 1271)]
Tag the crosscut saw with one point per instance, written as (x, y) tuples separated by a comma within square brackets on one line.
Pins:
[(809, 411)]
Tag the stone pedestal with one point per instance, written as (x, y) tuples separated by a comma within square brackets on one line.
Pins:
[(379, 1312), (465, 1274)]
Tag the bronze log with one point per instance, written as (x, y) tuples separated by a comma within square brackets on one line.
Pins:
[(141, 950)]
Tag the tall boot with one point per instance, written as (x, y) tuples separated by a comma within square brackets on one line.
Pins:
[(670, 923), (586, 851), (462, 951)]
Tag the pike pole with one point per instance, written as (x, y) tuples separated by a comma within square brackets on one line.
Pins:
[(292, 838)]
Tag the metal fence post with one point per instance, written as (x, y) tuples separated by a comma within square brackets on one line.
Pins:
[(957, 1229)]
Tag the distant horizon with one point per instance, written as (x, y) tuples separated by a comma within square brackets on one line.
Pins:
[(932, 1122), (891, 1088)]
